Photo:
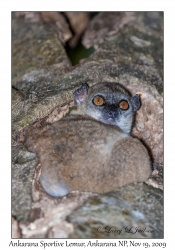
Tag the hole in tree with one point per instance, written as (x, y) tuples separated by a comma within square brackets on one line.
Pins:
[(79, 52)]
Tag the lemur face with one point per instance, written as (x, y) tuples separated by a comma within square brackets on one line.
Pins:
[(108, 103)]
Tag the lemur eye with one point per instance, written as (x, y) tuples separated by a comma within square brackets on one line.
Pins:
[(124, 105), (98, 101)]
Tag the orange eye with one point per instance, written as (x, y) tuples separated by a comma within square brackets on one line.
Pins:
[(98, 101), (124, 105)]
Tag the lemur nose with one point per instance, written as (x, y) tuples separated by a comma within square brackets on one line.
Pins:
[(112, 110), (112, 113)]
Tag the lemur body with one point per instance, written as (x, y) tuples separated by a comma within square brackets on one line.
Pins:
[(91, 149)]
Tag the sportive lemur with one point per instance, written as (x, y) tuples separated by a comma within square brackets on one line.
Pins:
[(91, 148)]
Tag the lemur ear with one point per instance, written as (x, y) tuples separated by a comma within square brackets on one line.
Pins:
[(80, 94), (135, 100)]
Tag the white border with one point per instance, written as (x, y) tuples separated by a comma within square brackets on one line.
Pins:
[(5, 95)]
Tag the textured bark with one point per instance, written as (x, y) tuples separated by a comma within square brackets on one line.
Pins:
[(78, 22)]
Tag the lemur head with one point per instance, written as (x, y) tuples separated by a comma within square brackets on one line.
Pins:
[(109, 103)]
